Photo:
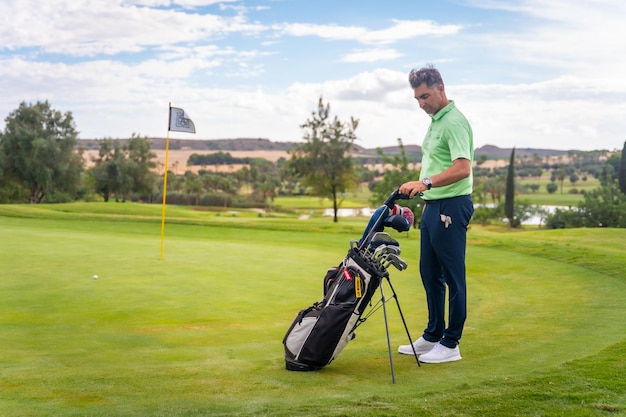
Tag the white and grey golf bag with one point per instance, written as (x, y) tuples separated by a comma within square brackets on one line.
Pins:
[(320, 332)]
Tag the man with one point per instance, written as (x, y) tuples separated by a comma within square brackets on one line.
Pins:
[(446, 181)]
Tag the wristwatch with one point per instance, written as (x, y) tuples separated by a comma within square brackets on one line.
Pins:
[(427, 182)]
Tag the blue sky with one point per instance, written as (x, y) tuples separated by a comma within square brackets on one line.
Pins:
[(526, 73)]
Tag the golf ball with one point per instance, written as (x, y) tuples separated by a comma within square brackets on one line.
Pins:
[(95, 277)]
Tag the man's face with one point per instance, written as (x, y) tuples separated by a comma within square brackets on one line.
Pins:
[(431, 100)]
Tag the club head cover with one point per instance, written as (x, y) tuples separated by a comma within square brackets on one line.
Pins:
[(407, 213), (398, 222)]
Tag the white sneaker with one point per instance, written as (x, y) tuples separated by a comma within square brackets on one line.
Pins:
[(440, 354), (421, 346)]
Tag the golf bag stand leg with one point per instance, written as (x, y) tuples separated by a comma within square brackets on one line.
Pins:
[(382, 296), (406, 328)]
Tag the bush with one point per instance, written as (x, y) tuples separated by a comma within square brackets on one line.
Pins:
[(562, 218), (552, 187), (604, 207), (58, 197), (484, 214)]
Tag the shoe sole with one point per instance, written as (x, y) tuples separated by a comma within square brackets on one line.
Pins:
[(453, 359)]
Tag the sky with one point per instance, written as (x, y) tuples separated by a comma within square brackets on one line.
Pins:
[(547, 74)]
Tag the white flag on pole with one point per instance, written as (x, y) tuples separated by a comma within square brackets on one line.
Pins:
[(180, 121)]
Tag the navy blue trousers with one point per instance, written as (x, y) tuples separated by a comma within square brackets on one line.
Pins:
[(443, 231)]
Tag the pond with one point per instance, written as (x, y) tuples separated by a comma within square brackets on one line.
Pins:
[(367, 212)]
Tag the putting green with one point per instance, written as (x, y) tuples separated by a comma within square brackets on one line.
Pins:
[(201, 330)]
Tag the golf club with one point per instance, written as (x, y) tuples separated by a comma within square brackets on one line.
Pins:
[(395, 260)]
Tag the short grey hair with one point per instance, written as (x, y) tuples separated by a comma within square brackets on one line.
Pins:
[(428, 75)]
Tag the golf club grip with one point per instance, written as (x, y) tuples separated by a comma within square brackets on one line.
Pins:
[(395, 196)]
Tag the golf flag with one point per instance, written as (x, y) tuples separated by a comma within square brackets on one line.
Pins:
[(180, 121)]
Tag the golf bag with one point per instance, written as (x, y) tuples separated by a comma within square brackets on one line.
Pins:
[(320, 332)]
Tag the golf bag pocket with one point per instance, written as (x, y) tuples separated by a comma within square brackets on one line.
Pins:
[(331, 276), (347, 287), (313, 339), (297, 336), (326, 335)]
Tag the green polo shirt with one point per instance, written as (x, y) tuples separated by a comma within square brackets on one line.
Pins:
[(449, 137)]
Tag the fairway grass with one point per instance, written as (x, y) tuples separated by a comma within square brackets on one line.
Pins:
[(199, 332)]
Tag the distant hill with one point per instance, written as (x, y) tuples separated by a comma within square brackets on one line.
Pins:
[(241, 144), (260, 144), (238, 144), (493, 152)]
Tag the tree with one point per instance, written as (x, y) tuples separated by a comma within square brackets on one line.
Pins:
[(323, 161), (123, 167), (604, 206), (621, 176), (561, 174), (398, 173), (107, 174), (551, 187), (264, 176), (39, 151), (601, 207), (494, 186), (193, 186), (141, 166), (509, 195)]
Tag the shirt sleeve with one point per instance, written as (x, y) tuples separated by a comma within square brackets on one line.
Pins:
[(459, 141)]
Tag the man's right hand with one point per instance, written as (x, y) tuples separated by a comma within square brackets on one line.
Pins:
[(412, 188)]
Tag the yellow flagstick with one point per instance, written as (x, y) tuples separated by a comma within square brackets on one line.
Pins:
[(181, 123), (167, 146)]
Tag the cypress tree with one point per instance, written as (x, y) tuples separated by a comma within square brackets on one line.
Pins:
[(509, 195), (621, 177)]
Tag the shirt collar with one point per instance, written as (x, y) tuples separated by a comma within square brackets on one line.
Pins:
[(443, 111)]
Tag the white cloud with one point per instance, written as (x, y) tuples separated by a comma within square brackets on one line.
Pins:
[(409, 29), (107, 96), (372, 55), (182, 3), (576, 37), (561, 113), (82, 28), (399, 30)]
